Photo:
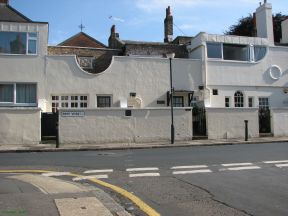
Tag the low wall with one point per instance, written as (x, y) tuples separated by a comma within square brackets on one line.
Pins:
[(279, 122), (228, 123), (20, 126), (111, 125)]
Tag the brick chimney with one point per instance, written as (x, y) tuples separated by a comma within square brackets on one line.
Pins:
[(4, 2), (168, 26), (114, 37)]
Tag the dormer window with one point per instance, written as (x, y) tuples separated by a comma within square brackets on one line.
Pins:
[(19, 43)]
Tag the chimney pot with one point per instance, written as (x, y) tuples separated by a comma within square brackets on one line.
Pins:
[(168, 11), (113, 29)]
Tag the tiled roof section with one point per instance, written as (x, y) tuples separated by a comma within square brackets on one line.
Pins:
[(9, 14), (82, 40)]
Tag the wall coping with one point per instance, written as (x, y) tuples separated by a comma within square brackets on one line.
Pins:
[(20, 108), (232, 109), (123, 109)]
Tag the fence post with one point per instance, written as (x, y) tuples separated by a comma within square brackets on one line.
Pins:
[(246, 130)]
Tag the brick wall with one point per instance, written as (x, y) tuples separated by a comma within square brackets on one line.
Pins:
[(102, 57), (160, 49)]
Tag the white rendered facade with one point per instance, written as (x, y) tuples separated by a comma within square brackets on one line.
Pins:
[(240, 72)]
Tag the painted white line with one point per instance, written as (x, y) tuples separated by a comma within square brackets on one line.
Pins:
[(237, 164), (190, 167), (241, 168), (50, 174), (142, 169), (281, 165), (98, 171), (271, 162), (90, 177), (191, 172), (144, 175)]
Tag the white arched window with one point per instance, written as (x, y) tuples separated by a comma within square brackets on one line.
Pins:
[(238, 99)]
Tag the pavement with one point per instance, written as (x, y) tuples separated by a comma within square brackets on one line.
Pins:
[(50, 146), (98, 205), (35, 194)]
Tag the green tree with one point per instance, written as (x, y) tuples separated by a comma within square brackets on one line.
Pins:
[(245, 27)]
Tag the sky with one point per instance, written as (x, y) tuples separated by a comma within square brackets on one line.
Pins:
[(139, 20)]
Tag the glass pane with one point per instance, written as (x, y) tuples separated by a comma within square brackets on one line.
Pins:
[(26, 93), (214, 50), (259, 53), (178, 101), (236, 52), (103, 101), (13, 42), (6, 93), (32, 47)]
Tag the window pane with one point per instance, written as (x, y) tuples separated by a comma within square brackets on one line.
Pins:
[(214, 50), (26, 93), (238, 99), (264, 102), (227, 102), (250, 101), (6, 93), (236, 52), (13, 42), (259, 53), (32, 47), (103, 101), (178, 101)]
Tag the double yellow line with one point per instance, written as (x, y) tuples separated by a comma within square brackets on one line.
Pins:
[(141, 204)]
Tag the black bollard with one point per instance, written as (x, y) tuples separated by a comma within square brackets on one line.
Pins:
[(246, 130)]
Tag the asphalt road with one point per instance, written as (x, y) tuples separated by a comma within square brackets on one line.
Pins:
[(211, 180)]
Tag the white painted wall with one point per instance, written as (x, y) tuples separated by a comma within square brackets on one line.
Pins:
[(148, 77), (228, 123), (26, 68), (264, 22), (277, 97), (20, 126), (279, 122), (112, 126)]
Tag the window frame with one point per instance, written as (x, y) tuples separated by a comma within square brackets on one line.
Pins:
[(251, 103), (28, 38), (69, 101), (238, 99), (14, 102), (251, 51), (178, 97), (227, 103), (104, 96), (267, 105)]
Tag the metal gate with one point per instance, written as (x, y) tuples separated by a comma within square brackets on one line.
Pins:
[(49, 123), (264, 120), (199, 122)]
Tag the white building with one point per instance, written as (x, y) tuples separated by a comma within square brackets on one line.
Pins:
[(221, 71)]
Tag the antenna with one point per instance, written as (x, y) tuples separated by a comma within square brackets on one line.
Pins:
[(179, 29)]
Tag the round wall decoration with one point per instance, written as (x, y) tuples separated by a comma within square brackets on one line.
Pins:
[(275, 72)]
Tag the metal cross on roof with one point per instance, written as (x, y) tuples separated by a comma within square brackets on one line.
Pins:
[(81, 27)]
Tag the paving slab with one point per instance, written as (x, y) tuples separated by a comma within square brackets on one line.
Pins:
[(84, 206)]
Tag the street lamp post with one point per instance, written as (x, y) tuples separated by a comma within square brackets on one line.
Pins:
[(171, 56)]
